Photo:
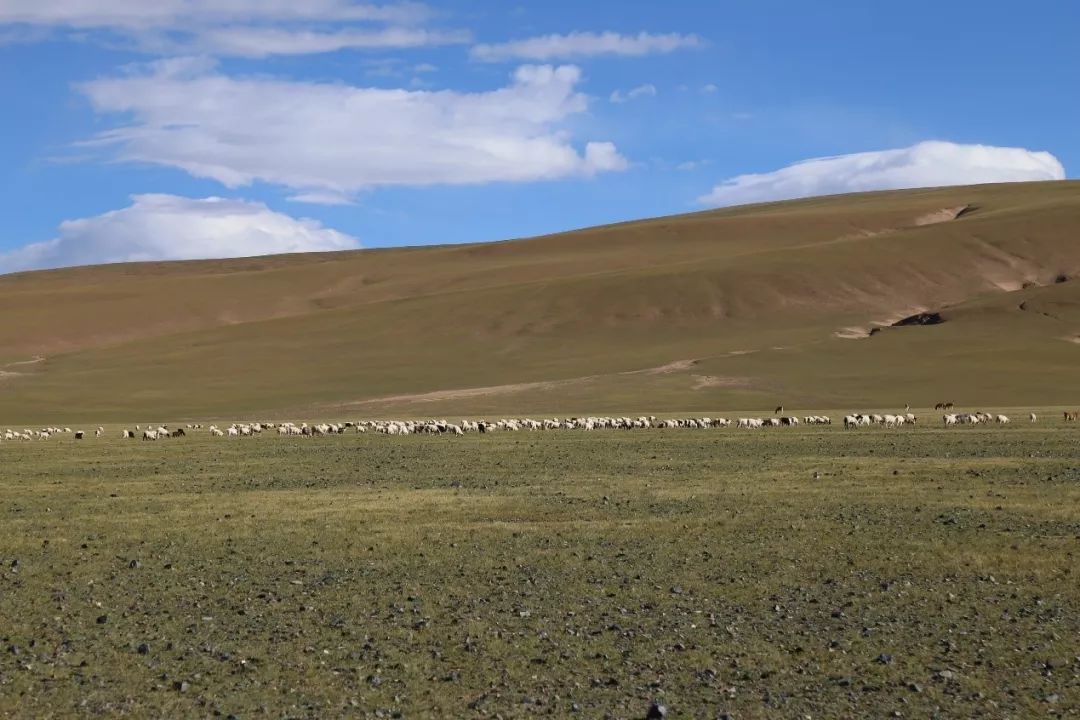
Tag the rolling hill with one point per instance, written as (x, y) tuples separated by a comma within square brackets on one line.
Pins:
[(737, 308)]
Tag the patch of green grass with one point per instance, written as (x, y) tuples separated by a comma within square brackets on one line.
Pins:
[(926, 572)]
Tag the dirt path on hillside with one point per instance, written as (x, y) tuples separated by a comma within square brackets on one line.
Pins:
[(701, 382), (6, 374), (33, 361), (466, 393)]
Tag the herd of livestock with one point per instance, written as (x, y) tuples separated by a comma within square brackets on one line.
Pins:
[(439, 427)]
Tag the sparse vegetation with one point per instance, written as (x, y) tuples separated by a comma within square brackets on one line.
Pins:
[(808, 571)]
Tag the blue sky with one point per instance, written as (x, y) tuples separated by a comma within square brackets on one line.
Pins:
[(136, 130)]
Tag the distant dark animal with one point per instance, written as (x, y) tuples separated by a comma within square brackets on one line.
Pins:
[(79, 434), (178, 432), (778, 410), (656, 712), (944, 406)]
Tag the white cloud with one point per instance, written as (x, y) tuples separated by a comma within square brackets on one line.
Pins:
[(927, 164), (245, 28), (167, 14), (321, 197), (341, 138), (583, 44), (640, 91), (257, 42), (167, 227), (709, 89)]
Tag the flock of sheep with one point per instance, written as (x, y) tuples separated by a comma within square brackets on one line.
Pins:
[(855, 421), (42, 434), (438, 427), (979, 417)]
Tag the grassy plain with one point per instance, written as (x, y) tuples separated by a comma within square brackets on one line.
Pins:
[(807, 572)]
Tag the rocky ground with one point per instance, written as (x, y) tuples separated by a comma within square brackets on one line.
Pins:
[(797, 573)]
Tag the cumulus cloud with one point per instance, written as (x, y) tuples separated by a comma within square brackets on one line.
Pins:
[(638, 92), (927, 164), (245, 28), (582, 45), (339, 138), (168, 227)]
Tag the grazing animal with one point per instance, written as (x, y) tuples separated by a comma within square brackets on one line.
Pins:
[(1071, 415), (442, 427)]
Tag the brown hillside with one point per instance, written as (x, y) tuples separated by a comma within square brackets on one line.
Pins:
[(750, 303)]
